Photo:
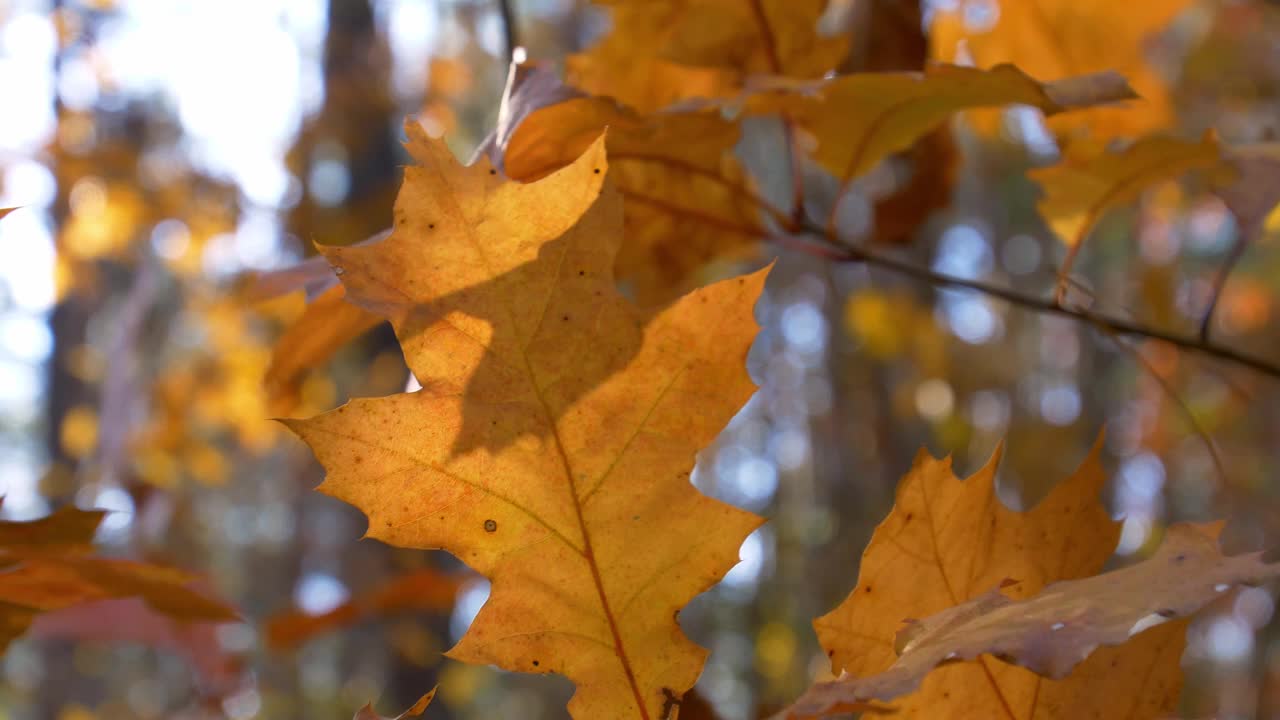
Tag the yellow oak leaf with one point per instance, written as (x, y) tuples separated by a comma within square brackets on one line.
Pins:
[(46, 565), (551, 445), (1052, 39), (367, 712), (726, 40), (1087, 183), (948, 542), (860, 119), (687, 200)]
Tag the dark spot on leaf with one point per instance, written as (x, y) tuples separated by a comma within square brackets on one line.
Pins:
[(431, 226), (495, 172), (536, 663), (491, 526), (596, 171), (866, 589)]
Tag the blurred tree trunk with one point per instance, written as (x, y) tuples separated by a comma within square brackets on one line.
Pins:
[(357, 128)]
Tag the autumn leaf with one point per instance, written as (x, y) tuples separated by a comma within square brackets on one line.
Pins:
[(327, 325), (687, 200), (662, 51), (367, 712), (45, 565), (1080, 189), (6, 211), (1089, 182), (1053, 39), (551, 445), (1053, 632), (858, 120), (947, 542), (424, 589)]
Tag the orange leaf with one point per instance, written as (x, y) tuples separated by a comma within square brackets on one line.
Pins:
[(948, 542), (687, 198), (425, 589), (367, 713), (1053, 39), (551, 445), (326, 325), (860, 119), (6, 211), (666, 50), (45, 566)]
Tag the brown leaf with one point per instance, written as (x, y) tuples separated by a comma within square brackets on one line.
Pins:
[(424, 589), (6, 211), (948, 542), (556, 428), (367, 712), (1054, 631), (45, 565)]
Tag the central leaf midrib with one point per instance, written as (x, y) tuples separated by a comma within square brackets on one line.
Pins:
[(588, 553)]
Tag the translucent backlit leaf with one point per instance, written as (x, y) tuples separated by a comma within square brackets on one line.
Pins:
[(551, 445)]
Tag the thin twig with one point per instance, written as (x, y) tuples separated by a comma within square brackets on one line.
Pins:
[(510, 35), (1181, 404), (1119, 326), (1220, 283)]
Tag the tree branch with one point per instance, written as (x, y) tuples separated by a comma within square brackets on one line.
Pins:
[(1106, 323)]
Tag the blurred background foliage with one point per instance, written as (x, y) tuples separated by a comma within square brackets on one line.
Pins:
[(162, 150)]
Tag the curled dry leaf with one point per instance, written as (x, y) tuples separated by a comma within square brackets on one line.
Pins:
[(1054, 39), (424, 589), (1051, 633), (367, 712), (860, 119), (551, 445), (948, 542)]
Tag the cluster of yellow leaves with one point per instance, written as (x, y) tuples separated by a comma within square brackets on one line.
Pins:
[(551, 442), (48, 565), (550, 448)]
